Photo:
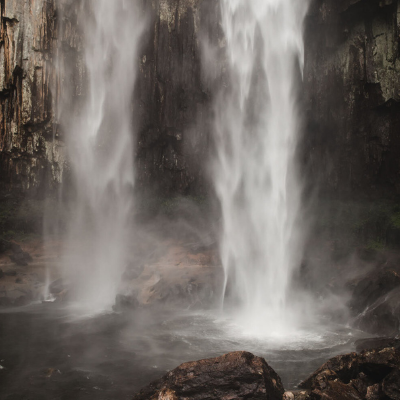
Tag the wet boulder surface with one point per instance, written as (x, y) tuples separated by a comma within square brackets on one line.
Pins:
[(375, 300), (371, 374), (237, 375)]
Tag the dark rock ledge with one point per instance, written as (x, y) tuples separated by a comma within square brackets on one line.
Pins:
[(371, 373), (238, 375)]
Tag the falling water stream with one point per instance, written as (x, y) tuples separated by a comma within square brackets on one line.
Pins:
[(101, 152), (256, 177)]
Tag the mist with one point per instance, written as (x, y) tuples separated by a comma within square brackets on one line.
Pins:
[(184, 179)]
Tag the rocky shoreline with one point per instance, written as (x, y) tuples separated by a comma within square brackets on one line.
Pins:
[(371, 373)]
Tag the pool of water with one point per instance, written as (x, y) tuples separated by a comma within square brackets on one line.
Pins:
[(48, 351)]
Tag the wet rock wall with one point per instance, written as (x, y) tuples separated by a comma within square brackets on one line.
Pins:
[(29, 149), (351, 143)]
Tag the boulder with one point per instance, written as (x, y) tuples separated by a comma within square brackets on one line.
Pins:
[(372, 287), (336, 390), (372, 374), (391, 385), (237, 375), (381, 317), (378, 343), (297, 395), (343, 367), (375, 302)]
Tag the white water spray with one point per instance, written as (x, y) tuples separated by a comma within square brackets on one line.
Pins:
[(255, 170), (100, 145)]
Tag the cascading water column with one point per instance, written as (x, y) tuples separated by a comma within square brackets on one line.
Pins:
[(257, 125), (100, 151)]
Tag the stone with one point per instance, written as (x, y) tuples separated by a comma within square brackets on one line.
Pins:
[(376, 344), (351, 53), (381, 317), (372, 374), (323, 379), (374, 392), (361, 384), (336, 390), (237, 375), (372, 287), (375, 299), (379, 362), (344, 367), (296, 395), (391, 385)]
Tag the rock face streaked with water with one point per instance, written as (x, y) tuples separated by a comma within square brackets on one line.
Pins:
[(337, 34)]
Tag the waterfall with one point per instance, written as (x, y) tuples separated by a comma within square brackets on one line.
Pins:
[(100, 150), (255, 174)]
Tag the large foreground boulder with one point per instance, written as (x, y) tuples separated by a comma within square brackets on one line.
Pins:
[(238, 375), (372, 374)]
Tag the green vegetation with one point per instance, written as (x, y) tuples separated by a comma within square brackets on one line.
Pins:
[(375, 245)]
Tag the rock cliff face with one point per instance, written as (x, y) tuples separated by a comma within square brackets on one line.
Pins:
[(353, 89), (29, 156), (174, 97), (351, 144)]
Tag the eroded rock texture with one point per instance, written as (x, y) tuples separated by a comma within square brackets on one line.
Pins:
[(372, 374), (351, 144), (238, 375), (174, 96), (29, 156), (353, 88), (41, 56)]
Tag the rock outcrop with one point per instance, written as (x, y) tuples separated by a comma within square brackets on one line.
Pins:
[(41, 60), (237, 375), (174, 97), (374, 373), (31, 154), (352, 66), (375, 300), (350, 146), (371, 374)]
